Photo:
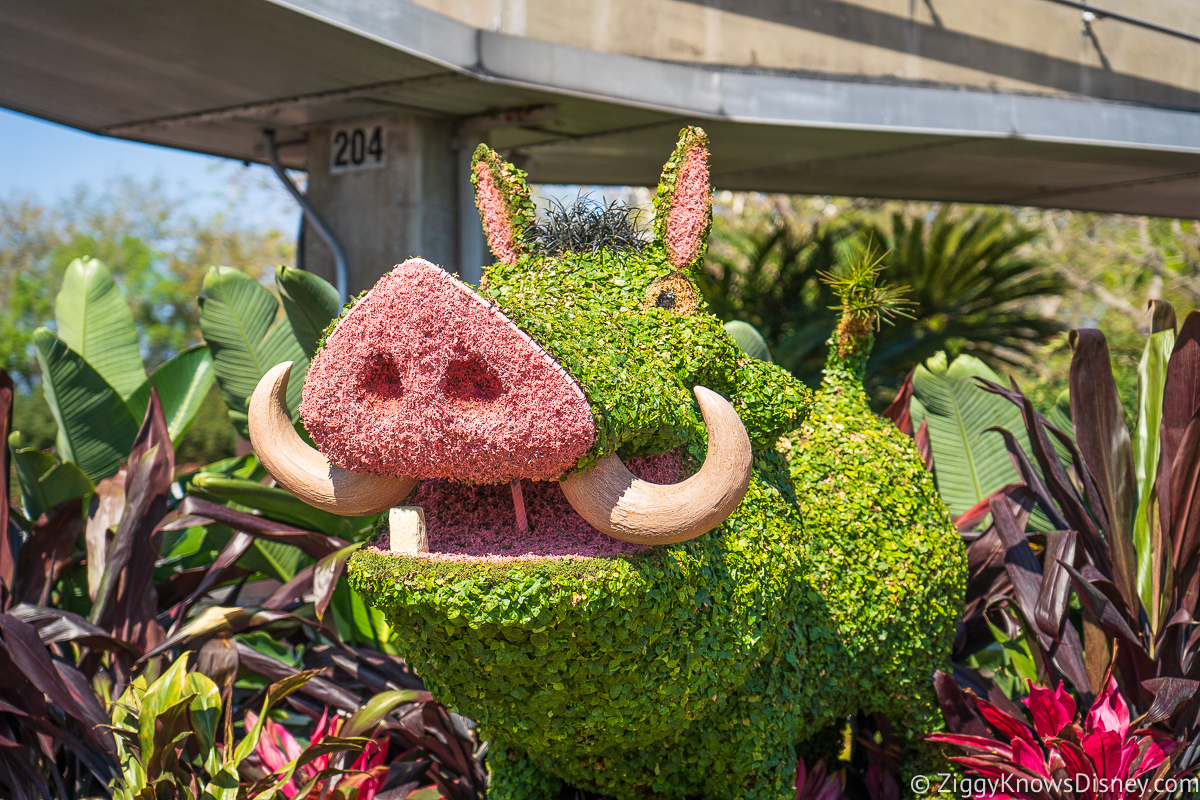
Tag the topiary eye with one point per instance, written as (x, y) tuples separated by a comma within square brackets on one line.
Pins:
[(672, 292)]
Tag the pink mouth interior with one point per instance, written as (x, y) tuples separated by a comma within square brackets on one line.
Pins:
[(479, 522)]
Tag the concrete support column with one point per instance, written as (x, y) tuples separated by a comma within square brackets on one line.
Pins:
[(392, 188)]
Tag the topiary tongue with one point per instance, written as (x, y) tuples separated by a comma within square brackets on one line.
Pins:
[(424, 378)]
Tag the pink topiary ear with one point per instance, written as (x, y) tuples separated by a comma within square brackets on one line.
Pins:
[(503, 202), (683, 203)]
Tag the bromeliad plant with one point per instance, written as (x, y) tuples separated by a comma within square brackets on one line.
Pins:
[(1063, 755)]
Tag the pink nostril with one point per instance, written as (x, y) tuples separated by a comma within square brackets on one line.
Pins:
[(470, 380), (380, 382)]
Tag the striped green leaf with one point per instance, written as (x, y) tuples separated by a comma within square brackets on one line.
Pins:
[(96, 428), (94, 321), (182, 384), (247, 336), (969, 462), (310, 303)]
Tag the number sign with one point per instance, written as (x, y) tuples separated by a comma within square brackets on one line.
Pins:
[(353, 149)]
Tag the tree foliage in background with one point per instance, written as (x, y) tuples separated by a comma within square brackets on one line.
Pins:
[(158, 248), (972, 280)]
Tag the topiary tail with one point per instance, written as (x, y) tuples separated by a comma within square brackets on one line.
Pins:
[(865, 301)]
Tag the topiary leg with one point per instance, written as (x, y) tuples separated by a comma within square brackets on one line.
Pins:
[(512, 776), (768, 772)]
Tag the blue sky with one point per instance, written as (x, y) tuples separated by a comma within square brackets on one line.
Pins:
[(49, 161)]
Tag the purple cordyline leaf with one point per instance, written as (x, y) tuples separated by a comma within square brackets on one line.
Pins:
[(300, 585), (233, 550), (1032, 479), (958, 708), (8, 542), (105, 511), (93, 716), (1019, 493), (50, 543), (17, 772), (1054, 476), (1185, 508), (1131, 655), (1181, 398), (1019, 561), (136, 604), (1169, 695), (326, 575), (987, 580), (1051, 612), (55, 625), (126, 602), (18, 690), (1026, 574), (899, 410), (218, 659), (321, 689), (314, 545), (393, 668), (1099, 421), (979, 686), (176, 587), (29, 655)]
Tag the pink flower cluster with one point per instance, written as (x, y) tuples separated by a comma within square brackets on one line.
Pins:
[(1099, 757), (277, 748)]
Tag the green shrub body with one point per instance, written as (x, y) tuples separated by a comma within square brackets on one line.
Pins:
[(690, 669)]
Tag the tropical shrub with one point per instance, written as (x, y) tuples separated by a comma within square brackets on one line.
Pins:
[(95, 382), (167, 740), (1108, 583), (972, 286)]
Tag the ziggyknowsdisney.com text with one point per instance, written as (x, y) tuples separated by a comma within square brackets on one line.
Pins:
[(1020, 786)]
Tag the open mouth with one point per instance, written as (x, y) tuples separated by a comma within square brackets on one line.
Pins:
[(525, 520)]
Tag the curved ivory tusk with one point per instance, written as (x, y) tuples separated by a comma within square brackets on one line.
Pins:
[(612, 500), (302, 470)]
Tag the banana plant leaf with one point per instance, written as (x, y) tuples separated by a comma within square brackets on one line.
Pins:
[(310, 303), (241, 323), (182, 383), (969, 463), (96, 427), (95, 322), (45, 482)]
